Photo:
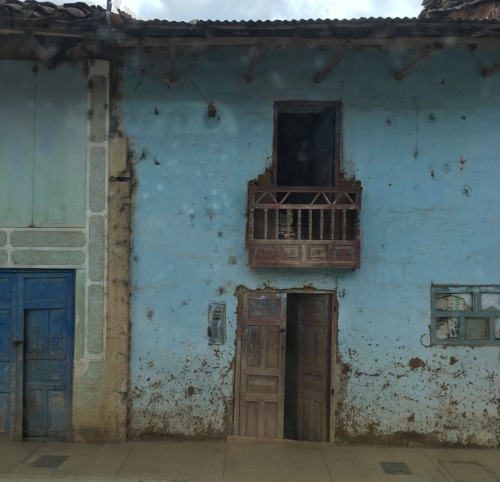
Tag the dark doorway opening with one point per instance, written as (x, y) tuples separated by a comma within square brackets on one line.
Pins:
[(305, 144), (290, 413), (308, 367)]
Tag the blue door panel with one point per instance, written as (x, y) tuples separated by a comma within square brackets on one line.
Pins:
[(4, 415), (46, 291), (45, 412), (5, 395), (57, 416), (36, 331), (5, 343), (45, 333), (47, 368), (34, 412), (45, 372), (6, 356), (36, 354), (5, 289), (57, 336)]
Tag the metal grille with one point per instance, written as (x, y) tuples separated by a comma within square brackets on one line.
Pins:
[(49, 461), (395, 468)]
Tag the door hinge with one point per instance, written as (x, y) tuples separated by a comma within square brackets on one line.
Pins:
[(17, 343), (333, 392)]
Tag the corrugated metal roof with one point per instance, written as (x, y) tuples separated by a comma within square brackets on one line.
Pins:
[(368, 28), (79, 17), (310, 21)]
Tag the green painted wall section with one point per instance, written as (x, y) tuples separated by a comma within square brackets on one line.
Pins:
[(16, 143), (43, 145)]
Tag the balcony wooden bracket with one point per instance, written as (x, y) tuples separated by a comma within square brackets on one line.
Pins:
[(426, 54), (171, 76), (44, 53), (330, 66), (250, 73), (491, 70)]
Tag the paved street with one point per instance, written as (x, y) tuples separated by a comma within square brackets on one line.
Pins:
[(241, 461)]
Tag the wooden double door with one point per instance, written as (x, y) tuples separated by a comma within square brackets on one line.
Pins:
[(284, 382)]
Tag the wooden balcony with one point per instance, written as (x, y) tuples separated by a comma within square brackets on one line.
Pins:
[(304, 227)]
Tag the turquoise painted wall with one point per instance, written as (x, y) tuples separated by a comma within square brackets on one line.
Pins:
[(426, 151)]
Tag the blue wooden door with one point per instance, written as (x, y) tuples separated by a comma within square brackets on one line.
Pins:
[(37, 319), (7, 355)]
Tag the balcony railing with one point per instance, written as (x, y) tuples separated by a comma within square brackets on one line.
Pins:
[(304, 227)]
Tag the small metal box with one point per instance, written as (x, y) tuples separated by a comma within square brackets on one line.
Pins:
[(216, 324)]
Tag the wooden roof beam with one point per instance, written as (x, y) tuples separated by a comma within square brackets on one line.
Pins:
[(491, 70), (44, 52), (250, 73), (426, 54), (413, 42), (172, 72), (320, 76)]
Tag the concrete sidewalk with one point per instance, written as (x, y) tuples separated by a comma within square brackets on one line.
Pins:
[(236, 461)]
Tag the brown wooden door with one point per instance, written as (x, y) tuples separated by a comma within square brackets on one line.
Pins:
[(313, 371), (262, 371)]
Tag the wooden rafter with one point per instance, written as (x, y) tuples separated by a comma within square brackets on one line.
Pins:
[(320, 76), (45, 53), (269, 42), (250, 73), (482, 33), (491, 70), (172, 75), (426, 54)]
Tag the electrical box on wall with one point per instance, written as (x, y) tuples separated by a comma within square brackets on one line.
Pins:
[(216, 324)]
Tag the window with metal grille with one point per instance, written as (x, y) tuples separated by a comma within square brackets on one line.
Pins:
[(465, 315)]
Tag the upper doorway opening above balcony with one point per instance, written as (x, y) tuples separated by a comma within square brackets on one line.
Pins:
[(306, 143)]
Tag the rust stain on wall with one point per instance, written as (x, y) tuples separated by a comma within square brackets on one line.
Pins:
[(415, 363)]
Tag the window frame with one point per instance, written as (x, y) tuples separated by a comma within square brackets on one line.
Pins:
[(475, 312)]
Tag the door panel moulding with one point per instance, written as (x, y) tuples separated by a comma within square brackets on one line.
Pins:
[(426, 54)]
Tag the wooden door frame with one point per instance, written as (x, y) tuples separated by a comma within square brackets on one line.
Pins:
[(333, 350)]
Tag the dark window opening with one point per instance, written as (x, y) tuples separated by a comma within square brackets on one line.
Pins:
[(306, 138)]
